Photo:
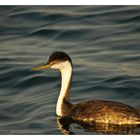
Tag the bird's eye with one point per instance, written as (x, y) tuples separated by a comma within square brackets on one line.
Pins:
[(52, 63)]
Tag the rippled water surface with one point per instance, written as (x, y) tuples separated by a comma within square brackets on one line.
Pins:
[(104, 43)]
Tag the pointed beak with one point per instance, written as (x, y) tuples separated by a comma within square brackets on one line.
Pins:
[(41, 67)]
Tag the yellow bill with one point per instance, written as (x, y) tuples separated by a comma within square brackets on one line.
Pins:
[(41, 67)]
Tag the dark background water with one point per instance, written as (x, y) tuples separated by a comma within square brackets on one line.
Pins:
[(104, 43)]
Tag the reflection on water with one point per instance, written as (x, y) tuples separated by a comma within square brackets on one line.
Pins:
[(65, 126)]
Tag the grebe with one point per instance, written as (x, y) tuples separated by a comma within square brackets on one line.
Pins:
[(94, 111)]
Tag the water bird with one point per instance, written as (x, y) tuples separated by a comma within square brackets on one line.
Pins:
[(92, 111)]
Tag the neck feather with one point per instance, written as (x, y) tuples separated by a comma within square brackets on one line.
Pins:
[(66, 75)]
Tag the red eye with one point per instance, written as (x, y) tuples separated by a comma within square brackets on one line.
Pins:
[(52, 63)]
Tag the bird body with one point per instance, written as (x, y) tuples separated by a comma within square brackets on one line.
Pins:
[(94, 111), (102, 111)]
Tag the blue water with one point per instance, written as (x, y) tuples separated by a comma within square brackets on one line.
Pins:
[(104, 44)]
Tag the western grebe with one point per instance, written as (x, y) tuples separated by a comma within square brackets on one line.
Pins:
[(94, 111)]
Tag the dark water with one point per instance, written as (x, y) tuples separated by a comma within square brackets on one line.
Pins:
[(104, 43)]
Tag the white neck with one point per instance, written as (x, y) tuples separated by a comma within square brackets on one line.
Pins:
[(66, 73)]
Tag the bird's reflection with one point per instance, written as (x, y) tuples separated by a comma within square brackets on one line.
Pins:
[(64, 125)]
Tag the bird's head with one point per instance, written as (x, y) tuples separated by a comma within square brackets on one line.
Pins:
[(57, 60)]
